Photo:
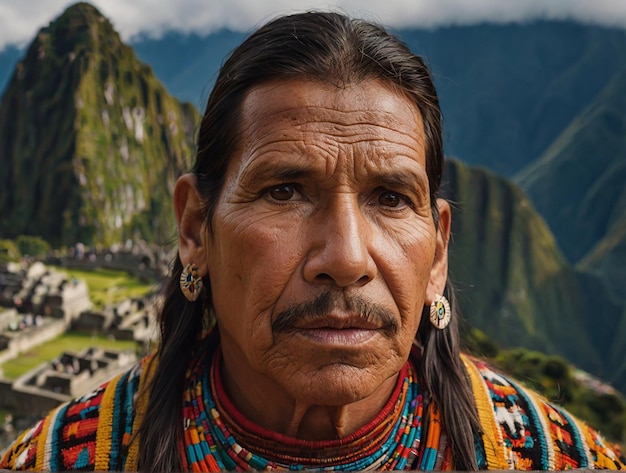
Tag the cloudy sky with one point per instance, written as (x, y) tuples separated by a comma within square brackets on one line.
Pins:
[(21, 19)]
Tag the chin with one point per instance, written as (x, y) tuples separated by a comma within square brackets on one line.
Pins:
[(337, 385)]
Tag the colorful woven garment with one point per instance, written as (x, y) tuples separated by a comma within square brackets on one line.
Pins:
[(91, 432), (99, 431), (523, 431)]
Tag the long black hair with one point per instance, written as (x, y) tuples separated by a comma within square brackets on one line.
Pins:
[(334, 49)]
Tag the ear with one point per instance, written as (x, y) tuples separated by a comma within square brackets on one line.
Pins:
[(439, 270), (191, 223)]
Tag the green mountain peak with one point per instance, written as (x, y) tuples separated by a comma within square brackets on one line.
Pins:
[(90, 141)]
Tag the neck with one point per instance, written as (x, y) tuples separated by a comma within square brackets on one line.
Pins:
[(270, 406)]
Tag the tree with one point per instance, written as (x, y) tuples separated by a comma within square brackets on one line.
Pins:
[(32, 246)]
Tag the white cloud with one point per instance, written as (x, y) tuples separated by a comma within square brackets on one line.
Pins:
[(21, 19)]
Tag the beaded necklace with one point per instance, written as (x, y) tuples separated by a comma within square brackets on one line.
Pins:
[(218, 437)]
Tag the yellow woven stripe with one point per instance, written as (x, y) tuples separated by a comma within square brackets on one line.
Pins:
[(105, 426), (148, 366), (23, 443), (492, 436), (42, 463)]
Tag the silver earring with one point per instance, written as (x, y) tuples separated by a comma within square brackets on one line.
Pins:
[(440, 313), (190, 282)]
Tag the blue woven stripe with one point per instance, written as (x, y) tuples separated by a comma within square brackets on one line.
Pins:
[(56, 435), (132, 385), (583, 461)]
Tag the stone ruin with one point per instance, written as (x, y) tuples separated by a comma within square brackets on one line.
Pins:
[(36, 305), (66, 377), (144, 261), (131, 319), (38, 290)]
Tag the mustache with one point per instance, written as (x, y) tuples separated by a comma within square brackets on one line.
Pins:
[(323, 304)]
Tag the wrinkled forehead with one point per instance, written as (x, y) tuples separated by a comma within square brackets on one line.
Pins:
[(299, 101), (366, 132)]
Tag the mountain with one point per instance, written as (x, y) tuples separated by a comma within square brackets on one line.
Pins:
[(507, 90), (8, 59), (513, 282), (188, 64), (579, 186), (91, 143)]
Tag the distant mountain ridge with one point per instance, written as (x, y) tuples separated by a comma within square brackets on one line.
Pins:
[(579, 185), (91, 142), (513, 282), (507, 91)]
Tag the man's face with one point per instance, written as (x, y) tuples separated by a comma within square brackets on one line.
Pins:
[(323, 247)]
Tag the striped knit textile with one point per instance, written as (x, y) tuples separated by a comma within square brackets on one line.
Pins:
[(93, 432), (521, 430)]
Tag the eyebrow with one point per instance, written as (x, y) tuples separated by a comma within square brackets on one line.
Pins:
[(283, 172), (393, 179), (416, 182)]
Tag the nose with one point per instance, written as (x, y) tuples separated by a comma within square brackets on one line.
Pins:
[(340, 250)]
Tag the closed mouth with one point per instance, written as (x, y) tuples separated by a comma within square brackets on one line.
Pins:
[(338, 321)]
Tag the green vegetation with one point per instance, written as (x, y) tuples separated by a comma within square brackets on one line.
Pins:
[(9, 251), (70, 341), (23, 245), (32, 246), (107, 286), (583, 199)]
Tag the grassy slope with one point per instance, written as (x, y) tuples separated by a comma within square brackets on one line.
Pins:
[(107, 286), (578, 186), (74, 342)]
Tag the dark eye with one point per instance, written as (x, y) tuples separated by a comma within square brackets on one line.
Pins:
[(389, 199), (282, 192)]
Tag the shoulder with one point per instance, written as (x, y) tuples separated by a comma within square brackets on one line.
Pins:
[(522, 430), (89, 432)]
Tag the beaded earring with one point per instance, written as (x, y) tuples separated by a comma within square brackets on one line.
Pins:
[(440, 313), (190, 282)]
